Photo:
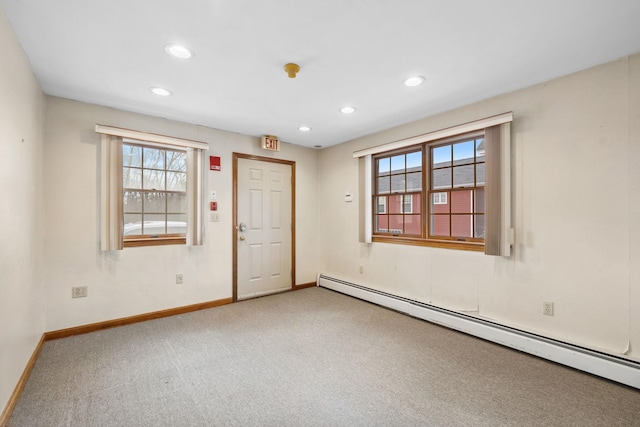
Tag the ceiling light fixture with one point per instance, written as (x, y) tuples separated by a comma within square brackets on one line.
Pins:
[(347, 110), (292, 69), (304, 128), (178, 51), (414, 81), (160, 91)]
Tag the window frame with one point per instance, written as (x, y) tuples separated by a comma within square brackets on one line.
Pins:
[(160, 238), (425, 239)]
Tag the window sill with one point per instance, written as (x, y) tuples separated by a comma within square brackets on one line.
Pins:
[(445, 244), (158, 241)]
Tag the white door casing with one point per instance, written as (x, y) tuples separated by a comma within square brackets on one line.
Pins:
[(263, 234)]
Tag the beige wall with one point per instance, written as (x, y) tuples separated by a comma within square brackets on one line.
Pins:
[(141, 280), (21, 190), (576, 151)]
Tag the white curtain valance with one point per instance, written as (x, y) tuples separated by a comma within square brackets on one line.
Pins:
[(438, 134), (151, 137)]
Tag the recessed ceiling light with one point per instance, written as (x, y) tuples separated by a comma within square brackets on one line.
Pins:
[(414, 81), (304, 128), (317, 146), (160, 91), (347, 110), (178, 51)]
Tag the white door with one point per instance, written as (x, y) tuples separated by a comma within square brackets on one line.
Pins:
[(263, 228)]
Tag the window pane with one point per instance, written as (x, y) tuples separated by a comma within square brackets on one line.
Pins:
[(480, 174), (441, 178), (397, 183), (440, 225), (395, 204), (153, 180), (177, 224), (176, 203), (480, 149), (412, 224), (441, 156), (154, 224), (132, 225), (478, 231), (463, 152), (414, 181), (463, 176), (176, 181), (396, 224), (131, 178), (153, 158), (382, 223), (154, 202), (479, 201), (381, 205), (177, 161), (384, 166), (132, 202), (397, 164), (414, 161), (131, 156), (461, 201), (384, 185), (462, 225), (416, 200)]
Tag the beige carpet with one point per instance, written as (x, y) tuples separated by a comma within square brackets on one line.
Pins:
[(307, 358)]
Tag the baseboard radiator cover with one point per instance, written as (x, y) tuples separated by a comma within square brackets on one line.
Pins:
[(601, 364)]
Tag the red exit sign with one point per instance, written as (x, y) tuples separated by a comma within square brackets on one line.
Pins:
[(270, 142)]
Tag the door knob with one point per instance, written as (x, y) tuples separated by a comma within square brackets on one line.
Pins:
[(242, 227), (242, 237)]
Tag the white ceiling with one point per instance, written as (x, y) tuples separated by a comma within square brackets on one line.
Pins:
[(352, 52)]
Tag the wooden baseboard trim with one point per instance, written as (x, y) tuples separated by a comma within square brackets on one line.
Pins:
[(93, 327), (304, 286), (17, 391)]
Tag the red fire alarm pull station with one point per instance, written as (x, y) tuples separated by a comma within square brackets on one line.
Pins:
[(213, 206), (214, 163)]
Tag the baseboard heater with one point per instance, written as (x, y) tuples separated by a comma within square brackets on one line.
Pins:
[(613, 368)]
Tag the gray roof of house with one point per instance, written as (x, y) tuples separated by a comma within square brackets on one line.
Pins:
[(463, 177)]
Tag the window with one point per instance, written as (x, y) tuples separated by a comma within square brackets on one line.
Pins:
[(455, 185), (439, 198), (398, 190), (448, 188), (457, 177), (154, 192), (151, 189)]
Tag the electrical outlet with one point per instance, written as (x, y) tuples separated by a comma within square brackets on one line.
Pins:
[(179, 279), (79, 292), (547, 308), (361, 269)]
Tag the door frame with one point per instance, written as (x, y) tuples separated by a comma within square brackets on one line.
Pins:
[(236, 157)]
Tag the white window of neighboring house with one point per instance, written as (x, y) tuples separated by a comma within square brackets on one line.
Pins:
[(439, 198)]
